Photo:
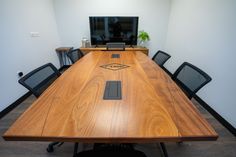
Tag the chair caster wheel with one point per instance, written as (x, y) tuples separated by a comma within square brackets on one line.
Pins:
[(50, 149)]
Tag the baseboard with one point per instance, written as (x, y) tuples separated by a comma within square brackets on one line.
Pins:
[(217, 116), (14, 105)]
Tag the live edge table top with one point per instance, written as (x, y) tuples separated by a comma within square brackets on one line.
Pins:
[(152, 109)]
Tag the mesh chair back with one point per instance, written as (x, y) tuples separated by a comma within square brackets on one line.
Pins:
[(160, 58), (75, 55), (190, 78), (39, 79), (115, 46)]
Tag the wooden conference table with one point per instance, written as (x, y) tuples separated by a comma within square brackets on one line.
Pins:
[(152, 108)]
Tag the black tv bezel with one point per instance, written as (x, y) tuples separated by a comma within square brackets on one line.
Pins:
[(137, 24)]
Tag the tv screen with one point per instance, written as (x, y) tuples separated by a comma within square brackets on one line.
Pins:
[(113, 29)]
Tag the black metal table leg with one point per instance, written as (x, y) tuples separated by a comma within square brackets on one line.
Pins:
[(64, 58), (60, 59), (75, 149), (163, 149)]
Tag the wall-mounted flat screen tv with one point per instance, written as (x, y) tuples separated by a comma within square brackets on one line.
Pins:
[(113, 29)]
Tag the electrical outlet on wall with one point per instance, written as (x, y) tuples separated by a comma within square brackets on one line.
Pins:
[(34, 34)]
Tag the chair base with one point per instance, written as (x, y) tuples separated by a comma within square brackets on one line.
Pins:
[(111, 153), (114, 150), (50, 147), (118, 147)]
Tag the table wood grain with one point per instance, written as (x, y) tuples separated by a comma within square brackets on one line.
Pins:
[(153, 108)]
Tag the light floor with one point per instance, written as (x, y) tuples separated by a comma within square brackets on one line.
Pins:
[(225, 146)]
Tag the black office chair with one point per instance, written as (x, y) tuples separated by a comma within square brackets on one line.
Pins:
[(75, 55), (115, 46), (190, 78), (160, 58), (37, 81)]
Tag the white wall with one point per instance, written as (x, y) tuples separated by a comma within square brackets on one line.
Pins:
[(18, 50), (203, 32), (73, 18)]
